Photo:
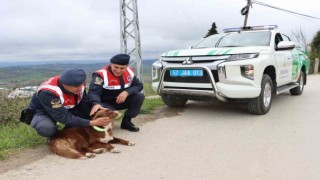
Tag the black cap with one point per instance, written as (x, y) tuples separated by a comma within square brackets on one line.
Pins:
[(121, 59), (73, 76)]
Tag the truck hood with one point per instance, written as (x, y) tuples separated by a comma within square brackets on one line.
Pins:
[(215, 51)]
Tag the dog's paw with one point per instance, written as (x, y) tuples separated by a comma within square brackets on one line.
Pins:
[(99, 151), (104, 150), (115, 150), (130, 143), (90, 155)]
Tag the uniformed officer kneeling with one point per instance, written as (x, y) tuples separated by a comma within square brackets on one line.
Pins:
[(116, 87), (61, 99)]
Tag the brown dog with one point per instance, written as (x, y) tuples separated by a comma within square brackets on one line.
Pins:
[(85, 142)]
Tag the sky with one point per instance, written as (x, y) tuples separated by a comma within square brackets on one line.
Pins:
[(46, 30)]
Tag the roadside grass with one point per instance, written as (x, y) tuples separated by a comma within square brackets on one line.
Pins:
[(147, 88), (16, 136), (151, 104)]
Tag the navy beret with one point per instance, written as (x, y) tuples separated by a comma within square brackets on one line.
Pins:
[(73, 76), (121, 59)]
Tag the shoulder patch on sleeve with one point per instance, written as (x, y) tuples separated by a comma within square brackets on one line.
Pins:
[(98, 81), (56, 103), (129, 79)]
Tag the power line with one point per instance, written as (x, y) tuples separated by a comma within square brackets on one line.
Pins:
[(189, 19), (281, 9)]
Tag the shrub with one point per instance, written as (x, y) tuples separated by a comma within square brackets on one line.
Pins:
[(10, 108), (312, 57)]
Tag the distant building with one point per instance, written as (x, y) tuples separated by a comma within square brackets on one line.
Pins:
[(24, 92), (29, 88)]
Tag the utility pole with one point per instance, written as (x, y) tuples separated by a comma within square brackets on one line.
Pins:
[(245, 11), (130, 34)]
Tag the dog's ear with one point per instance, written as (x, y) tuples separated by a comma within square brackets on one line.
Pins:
[(95, 116), (100, 113), (112, 114), (106, 113), (115, 114)]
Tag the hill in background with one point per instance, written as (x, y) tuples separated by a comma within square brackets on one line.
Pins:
[(20, 74)]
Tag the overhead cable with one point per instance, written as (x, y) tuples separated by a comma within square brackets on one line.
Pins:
[(281, 9)]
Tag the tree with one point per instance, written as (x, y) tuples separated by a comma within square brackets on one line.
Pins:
[(315, 51), (301, 39), (315, 44), (212, 30)]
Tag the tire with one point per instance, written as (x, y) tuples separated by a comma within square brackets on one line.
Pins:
[(174, 101), (299, 89), (262, 104)]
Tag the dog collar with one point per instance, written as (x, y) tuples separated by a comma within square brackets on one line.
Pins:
[(99, 128)]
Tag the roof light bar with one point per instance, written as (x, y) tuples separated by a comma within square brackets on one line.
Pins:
[(232, 29), (248, 28)]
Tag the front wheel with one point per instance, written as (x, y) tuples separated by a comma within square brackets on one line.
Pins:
[(299, 89), (174, 101), (261, 104)]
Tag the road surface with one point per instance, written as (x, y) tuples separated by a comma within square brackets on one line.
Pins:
[(207, 141)]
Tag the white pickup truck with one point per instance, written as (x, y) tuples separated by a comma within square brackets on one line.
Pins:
[(250, 64)]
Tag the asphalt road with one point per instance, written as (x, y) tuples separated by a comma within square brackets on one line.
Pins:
[(207, 141)]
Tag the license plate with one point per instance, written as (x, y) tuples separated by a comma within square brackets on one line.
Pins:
[(187, 72)]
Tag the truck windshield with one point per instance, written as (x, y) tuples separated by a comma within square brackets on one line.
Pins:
[(243, 39), (209, 42)]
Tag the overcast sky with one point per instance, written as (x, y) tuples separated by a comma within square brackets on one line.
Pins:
[(90, 29)]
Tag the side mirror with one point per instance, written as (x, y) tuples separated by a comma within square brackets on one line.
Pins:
[(286, 45), (190, 47)]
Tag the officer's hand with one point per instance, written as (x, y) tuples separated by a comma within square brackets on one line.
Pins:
[(95, 108), (102, 121), (122, 97)]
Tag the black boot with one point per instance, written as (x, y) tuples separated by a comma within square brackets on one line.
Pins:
[(128, 125)]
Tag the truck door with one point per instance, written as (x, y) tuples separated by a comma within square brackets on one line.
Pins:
[(295, 62), (291, 57), (282, 70)]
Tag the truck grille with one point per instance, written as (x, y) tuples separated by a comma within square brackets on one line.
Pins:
[(204, 79)]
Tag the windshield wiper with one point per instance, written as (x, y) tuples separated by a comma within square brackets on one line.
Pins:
[(199, 47), (229, 46)]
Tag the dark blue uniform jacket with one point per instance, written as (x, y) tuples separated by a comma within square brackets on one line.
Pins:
[(98, 94), (42, 102)]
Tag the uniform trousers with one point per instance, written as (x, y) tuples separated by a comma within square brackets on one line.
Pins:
[(132, 103)]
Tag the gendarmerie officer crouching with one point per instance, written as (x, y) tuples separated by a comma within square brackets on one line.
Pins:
[(116, 87), (60, 99)]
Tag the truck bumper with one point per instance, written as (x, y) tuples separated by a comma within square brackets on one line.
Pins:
[(238, 91)]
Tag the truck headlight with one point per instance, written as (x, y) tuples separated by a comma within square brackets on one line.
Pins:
[(247, 71), (236, 57), (156, 70)]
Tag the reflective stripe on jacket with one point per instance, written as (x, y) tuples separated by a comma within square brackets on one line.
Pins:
[(67, 100), (112, 82)]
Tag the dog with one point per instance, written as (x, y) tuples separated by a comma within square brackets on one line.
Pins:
[(86, 142)]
